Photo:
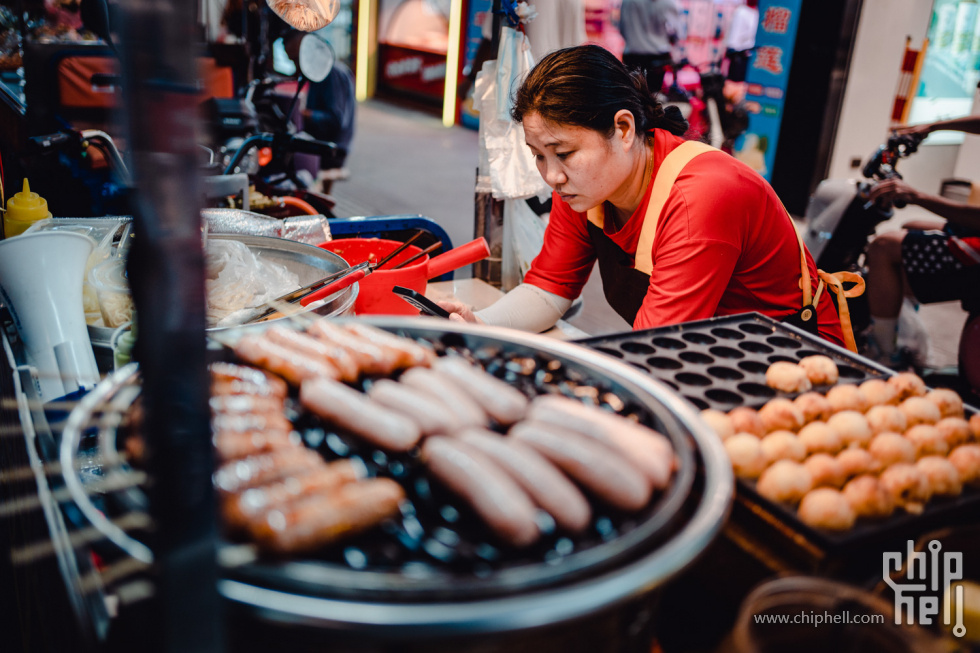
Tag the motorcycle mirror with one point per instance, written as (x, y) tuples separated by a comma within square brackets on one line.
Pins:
[(316, 58), (306, 15)]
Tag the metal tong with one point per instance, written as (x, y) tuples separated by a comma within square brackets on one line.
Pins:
[(328, 285)]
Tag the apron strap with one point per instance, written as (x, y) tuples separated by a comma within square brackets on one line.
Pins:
[(834, 281), (671, 167)]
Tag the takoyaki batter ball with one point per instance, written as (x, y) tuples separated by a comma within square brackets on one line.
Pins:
[(867, 498), (780, 414), (947, 401), (919, 410), (745, 452), (886, 419), (785, 481), (821, 370), (825, 470), (826, 508), (855, 461), (747, 420), (819, 437), (719, 421), (891, 448), (941, 475), (908, 385), (928, 440), (954, 430), (907, 486), (814, 406), (847, 397), (879, 392), (975, 427), (852, 427), (783, 445), (966, 459), (787, 377)]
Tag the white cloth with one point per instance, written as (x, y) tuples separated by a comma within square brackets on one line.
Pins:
[(648, 26), (559, 24), (741, 32), (526, 307)]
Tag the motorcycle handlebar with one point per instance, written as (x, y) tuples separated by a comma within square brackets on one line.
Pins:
[(311, 146)]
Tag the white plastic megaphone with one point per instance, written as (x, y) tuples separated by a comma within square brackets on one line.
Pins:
[(41, 278)]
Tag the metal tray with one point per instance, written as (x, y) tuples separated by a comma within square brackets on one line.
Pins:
[(721, 362)]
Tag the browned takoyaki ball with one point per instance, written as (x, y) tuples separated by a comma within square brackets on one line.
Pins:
[(785, 481), (928, 440), (966, 459), (825, 470), (814, 406), (819, 437), (886, 419), (906, 484), (747, 420), (719, 422), (855, 461), (941, 475), (821, 370), (745, 452), (787, 377), (867, 498), (908, 385), (919, 410), (975, 427), (891, 448), (954, 430), (879, 392), (826, 508), (780, 414), (783, 445), (947, 401), (847, 397), (852, 426)]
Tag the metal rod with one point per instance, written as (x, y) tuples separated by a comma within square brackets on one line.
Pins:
[(398, 250), (428, 250)]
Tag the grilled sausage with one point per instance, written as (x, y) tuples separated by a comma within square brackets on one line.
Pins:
[(423, 409), (239, 509), (227, 374), (547, 486), (370, 358), (292, 366), (494, 495), (455, 401), (232, 445), (600, 469), (322, 519), (650, 451), (501, 401), (251, 422), (307, 345), (355, 412), (408, 352), (243, 403), (240, 475)]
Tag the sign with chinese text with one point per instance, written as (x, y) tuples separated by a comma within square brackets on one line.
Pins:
[(766, 82)]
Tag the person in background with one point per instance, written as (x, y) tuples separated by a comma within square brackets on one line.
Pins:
[(649, 29), (676, 238), (740, 40), (559, 24), (934, 261)]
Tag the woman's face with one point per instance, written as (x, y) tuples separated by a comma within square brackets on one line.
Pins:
[(585, 167)]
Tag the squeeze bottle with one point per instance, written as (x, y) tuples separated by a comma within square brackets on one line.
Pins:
[(24, 209)]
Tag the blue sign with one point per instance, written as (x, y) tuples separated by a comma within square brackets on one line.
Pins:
[(480, 10), (766, 82)]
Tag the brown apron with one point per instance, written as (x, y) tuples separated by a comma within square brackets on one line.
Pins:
[(625, 279)]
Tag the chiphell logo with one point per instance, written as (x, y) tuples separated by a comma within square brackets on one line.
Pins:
[(930, 577)]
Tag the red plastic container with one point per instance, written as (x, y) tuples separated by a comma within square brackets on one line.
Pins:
[(375, 296)]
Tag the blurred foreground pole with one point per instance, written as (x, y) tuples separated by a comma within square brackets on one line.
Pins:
[(166, 268)]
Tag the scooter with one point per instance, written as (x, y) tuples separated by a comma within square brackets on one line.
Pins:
[(840, 220)]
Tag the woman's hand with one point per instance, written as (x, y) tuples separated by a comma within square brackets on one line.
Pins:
[(890, 190), (459, 312)]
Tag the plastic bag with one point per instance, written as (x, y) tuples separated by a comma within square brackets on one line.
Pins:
[(237, 280), (509, 163)]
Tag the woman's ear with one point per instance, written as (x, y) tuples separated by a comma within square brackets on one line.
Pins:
[(625, 125)]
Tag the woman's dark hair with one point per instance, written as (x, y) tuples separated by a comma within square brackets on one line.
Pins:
[(586, 86)]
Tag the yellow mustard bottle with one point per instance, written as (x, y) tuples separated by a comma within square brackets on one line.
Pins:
[(24, 209)]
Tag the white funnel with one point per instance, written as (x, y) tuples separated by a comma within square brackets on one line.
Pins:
[(41, 278)]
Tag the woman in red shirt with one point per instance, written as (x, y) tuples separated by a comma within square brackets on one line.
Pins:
[(681, 231)]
